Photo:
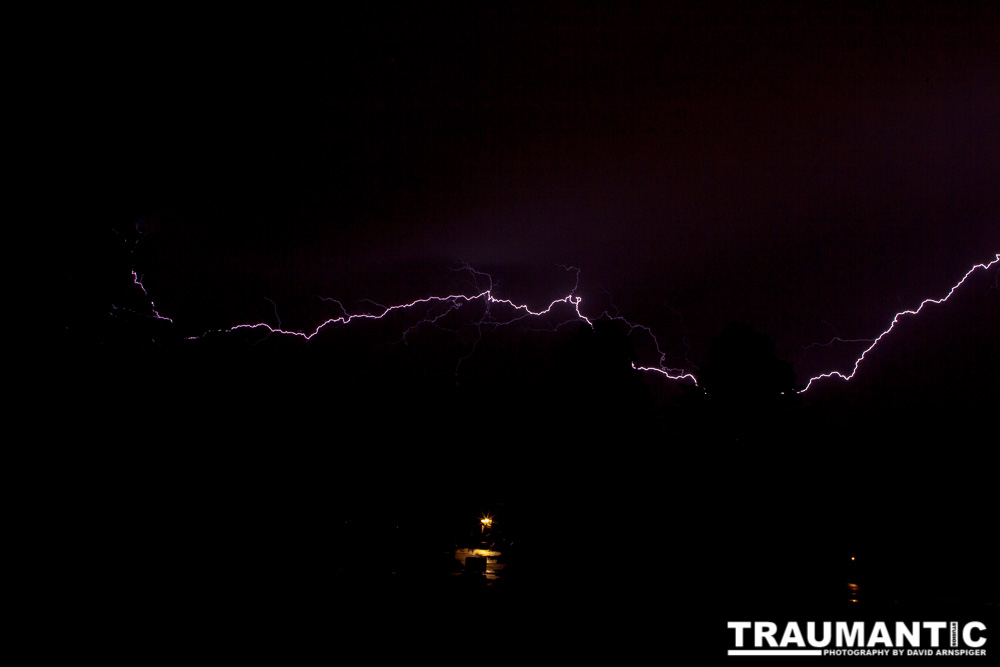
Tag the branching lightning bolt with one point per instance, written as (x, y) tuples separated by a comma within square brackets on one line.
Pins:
[(895, 320), (490, 318), (836, 339), (137, 281), (276, 315), (499, 312), (152, 305)]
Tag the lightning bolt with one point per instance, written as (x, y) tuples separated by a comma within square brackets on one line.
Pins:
[(137, 280), (895, 320), (152, 305), (835, 339), (500, 312), (497, 312), (453, 301)]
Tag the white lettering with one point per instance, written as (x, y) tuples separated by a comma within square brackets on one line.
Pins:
[(739, 626), (935, 627), (811, 632), (856, 636), (764, 631), (911, 634), (967, 634), (792, 635), (880, 635)]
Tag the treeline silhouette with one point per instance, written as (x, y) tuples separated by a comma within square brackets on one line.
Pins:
[(256, 471)]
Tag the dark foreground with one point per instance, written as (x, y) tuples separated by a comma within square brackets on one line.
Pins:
[(281, 501)]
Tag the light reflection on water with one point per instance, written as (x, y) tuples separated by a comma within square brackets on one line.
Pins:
[(494, 565)]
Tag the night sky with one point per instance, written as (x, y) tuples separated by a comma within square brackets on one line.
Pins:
[(807, 171), (793, 170)]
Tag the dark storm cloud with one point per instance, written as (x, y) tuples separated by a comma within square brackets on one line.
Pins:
[(776, 163)]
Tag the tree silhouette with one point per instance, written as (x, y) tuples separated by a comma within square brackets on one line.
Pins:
[(746, 386)]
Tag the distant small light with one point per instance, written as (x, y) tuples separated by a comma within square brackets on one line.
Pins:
[(852, 557)]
